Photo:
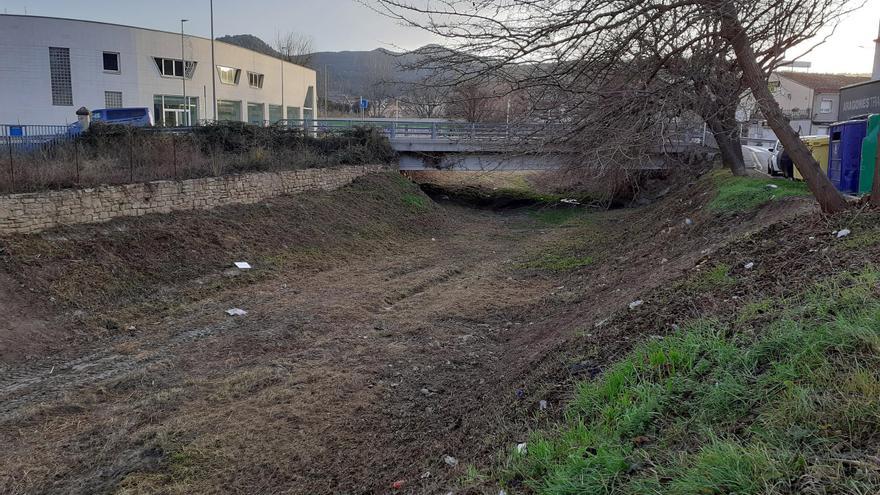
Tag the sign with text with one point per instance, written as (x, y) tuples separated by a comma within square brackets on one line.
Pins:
[(862, 99)]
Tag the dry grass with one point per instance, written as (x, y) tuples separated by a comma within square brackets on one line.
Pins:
[(112, 155)]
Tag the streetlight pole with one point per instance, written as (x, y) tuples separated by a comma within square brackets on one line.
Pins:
[(183, 61), (287, 57), (213, 65)]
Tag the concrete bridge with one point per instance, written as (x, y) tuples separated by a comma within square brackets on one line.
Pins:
[(444, 145)]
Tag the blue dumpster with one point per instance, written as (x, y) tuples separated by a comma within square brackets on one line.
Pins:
[(845, 154)]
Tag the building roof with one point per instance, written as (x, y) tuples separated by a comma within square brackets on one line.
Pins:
[(823, 82), (127, 26)]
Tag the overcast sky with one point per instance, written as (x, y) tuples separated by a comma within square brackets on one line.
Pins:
[(346, 25)]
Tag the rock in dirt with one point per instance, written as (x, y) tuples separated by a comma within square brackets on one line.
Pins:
[(450, 461), (236, 312), (843, 233)]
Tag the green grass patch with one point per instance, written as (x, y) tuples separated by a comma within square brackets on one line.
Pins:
[(557, 216), (557, 263), (709, 410), (862, 240), (738, 194), (415, 201), (717, 277)]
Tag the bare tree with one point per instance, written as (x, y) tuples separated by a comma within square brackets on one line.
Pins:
[(425, 100), (624, 60), (295, 48)]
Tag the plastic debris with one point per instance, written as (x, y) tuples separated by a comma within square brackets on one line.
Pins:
[(520, 393), (772, 186), (542, 405), (636, 304), (688, 221), (236, 312), (749, 265), (433, 239), (450, 461), (521, 448), (426, 475), (843, 233), (570, 201), (242, 265), (397, 485)]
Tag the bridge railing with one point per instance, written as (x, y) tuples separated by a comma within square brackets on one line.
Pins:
[(411, 129)]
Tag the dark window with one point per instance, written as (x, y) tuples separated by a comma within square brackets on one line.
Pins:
[(125, 113), (111, 62), (170, 67)]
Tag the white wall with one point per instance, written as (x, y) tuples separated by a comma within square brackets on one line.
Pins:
[(25, 88)]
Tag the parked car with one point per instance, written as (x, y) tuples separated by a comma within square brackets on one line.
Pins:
[(780, 163), (137, 116)]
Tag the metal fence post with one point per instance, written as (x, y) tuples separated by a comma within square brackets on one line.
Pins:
[(76, 159), (11, 164), (130, 157), (174, 153)]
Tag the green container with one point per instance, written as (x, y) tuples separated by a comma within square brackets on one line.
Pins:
[(869, 154)]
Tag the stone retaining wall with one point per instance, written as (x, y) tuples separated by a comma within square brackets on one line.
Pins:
[(32, 212)]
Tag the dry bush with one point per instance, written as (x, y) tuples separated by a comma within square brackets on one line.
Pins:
[(119, 155)]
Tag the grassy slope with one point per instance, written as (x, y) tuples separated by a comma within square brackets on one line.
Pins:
[(779, 399)]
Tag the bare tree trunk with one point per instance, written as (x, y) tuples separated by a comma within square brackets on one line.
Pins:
[(829, 198), (725, 130)]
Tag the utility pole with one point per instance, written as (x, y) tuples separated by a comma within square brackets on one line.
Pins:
[(326, 89), (183, 61), (213, 65), (286, 58)]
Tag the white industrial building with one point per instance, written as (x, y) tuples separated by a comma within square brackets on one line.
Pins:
[(50, 67)]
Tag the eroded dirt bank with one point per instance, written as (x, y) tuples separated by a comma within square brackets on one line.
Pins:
[(383, 334)]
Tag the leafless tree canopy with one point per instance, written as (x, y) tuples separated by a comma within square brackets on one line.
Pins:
[(295, 48), (622, 74)]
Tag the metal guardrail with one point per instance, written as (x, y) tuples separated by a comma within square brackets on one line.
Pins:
[(26, 138)]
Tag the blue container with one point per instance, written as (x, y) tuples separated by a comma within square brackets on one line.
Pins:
[(845, 154)]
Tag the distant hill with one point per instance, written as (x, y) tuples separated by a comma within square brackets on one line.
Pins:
[(351, 73), (250, 42)]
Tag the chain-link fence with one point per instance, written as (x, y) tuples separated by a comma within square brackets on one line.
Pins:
[(54, 157)]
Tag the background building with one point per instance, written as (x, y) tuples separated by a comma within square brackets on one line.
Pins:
[(810, 101), (49, 67)]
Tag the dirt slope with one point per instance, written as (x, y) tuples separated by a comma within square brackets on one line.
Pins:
[(383, 334)]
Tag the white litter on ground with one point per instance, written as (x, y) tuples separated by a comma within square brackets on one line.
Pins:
[(843, 233), (749, 265), (636, 304), (520, 448), (242, 265), (236, 312)]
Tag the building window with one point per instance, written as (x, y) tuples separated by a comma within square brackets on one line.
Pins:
[(170, 67), (826, 105), (228, 75), (256, 114), (255, 80), (111, 62), (170, 111), (113, 99), (276, 113), (59, 74), (229, 110), (294, 113)]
